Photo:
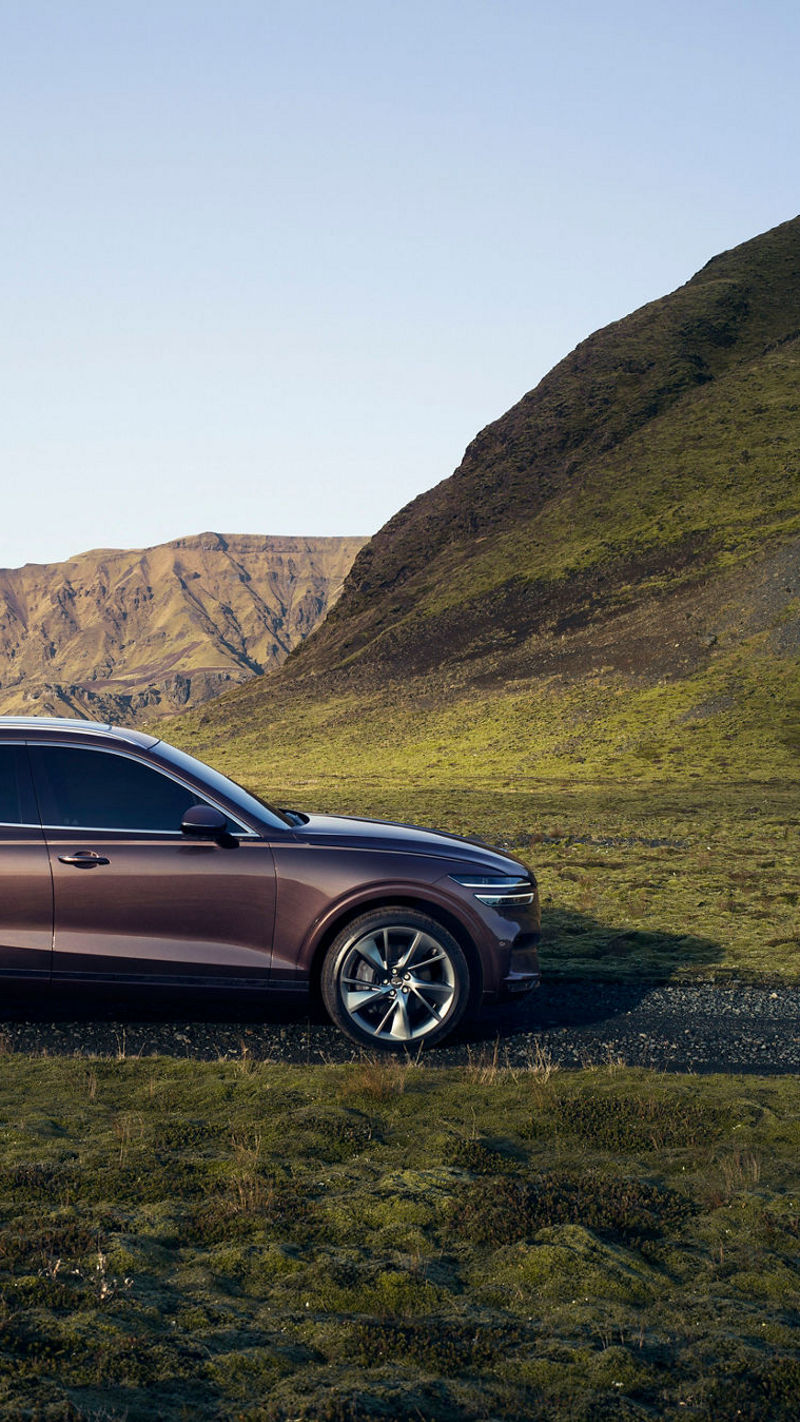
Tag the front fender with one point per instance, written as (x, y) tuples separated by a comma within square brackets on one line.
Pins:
[(410, 893), (299, 943)]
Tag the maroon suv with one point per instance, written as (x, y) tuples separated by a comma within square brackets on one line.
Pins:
[(126, 861)]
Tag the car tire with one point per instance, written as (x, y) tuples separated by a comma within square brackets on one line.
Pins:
[(395, 980)]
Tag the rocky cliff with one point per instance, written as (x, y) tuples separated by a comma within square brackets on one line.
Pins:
[(148, 632)]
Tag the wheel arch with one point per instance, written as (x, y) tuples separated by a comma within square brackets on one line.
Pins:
[(410, 901)]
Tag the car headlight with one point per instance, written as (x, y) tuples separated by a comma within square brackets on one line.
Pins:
[(498, 890)]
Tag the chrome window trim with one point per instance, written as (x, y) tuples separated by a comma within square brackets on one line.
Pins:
[(244, 832), (162, 834)]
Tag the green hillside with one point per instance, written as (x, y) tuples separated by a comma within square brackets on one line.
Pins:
[(667, 440), (609, 585)]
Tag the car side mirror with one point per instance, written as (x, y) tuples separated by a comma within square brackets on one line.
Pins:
[(204, 822)]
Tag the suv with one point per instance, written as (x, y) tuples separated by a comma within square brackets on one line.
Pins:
[(126, 861)]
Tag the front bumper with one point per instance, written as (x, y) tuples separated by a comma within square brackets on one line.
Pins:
[(503, 929), (506, 936), (523, 970)]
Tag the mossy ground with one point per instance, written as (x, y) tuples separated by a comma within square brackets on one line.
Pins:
[(377, 1240)]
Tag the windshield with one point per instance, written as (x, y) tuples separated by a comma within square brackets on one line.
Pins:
[(236, 794)]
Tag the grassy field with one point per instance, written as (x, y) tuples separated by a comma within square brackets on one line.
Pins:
[(381, 1241), (230, 1240)]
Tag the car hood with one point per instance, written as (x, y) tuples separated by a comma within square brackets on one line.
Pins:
[(408, 839)]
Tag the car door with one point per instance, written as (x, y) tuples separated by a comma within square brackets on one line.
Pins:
[(26, 890), (134, 898)]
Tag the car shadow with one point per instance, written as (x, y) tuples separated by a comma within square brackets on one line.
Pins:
[(155, 1004), (591, 972)]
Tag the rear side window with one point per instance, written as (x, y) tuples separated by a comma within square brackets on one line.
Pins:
[(91, 789), (17, 805)]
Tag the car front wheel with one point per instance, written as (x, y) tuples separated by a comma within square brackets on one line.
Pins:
[(395, 979)]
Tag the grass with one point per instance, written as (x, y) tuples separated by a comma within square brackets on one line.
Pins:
[(377, 1240), (737, 719), (381, 1241)]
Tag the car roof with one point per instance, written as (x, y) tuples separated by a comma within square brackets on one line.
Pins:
[(66, 727)]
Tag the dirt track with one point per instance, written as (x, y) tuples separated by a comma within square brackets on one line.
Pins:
[(697, 1028)]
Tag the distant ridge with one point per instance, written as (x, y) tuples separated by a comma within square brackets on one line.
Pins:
[(126, 633)]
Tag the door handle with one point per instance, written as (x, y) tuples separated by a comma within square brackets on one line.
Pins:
[(83, 859)]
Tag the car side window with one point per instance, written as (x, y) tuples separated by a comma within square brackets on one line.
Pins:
[(17, 804), (79, 787)]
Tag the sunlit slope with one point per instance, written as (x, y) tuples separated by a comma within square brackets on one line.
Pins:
[(707, 487), (609, 584)]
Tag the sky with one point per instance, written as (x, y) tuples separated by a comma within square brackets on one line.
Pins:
[(267, 266)]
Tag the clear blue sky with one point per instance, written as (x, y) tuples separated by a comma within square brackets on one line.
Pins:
[(268, 267)]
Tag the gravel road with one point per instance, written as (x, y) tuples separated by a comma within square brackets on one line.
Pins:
[(697, 1027)]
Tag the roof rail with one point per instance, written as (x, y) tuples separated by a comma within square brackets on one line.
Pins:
[(75, 724)]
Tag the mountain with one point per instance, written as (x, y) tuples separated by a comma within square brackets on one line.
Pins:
[(610, 579), (122, 634), (661, 449)]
